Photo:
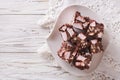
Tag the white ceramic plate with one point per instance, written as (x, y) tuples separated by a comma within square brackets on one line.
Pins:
[(55, 39)]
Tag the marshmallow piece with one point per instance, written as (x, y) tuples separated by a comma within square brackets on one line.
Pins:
[(94, 41), (81, 58), (79, 64), (80, 18), (89, 63), (64, 36), (70, 31), (77, 25), (82, 64), (100, 35), (93, 24), (61, 53), (87, 54), (74, 53), (64, 28), (91, 33), (67, 55), (81, 36), (85, 24)]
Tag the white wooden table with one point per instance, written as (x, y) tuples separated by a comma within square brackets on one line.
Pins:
[(20, 37)]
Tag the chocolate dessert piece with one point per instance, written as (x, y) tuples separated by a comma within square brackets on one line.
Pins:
[(81, 40)]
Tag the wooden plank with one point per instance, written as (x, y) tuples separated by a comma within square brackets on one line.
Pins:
[(18, 29), (20, 33), (31, 67), (20, 19), (23, 7)]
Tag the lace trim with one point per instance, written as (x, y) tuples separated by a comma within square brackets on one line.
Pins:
[(110, 14), (108, 60), (101, 76)]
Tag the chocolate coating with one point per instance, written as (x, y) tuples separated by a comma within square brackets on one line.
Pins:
[(82, 39)]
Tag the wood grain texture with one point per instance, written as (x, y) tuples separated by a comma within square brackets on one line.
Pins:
[(20, 33), (20, 37), (31, 67), (23, 7), (18, 29)]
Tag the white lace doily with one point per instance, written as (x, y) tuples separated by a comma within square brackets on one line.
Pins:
[(109, 11)]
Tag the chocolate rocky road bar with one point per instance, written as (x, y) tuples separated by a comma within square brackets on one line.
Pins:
[(81, 40)]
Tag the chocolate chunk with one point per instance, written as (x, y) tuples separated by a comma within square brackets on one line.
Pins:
[(63, 28), (96, 47), (85, 25), (67, 31), (74, 41), (79, 30), (65, 51), (81, 40), (80, 18)]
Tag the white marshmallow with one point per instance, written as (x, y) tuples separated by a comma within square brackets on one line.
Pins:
[(66, 55), (93, 24), (64, 36), (81, 58), (78, 25), (100, 35), (81, 36), (80, 19), (93, 41), (70, 31)]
